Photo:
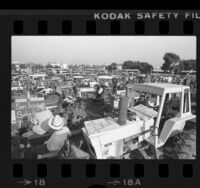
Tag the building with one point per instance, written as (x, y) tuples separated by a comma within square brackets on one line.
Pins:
[(185, 72), (51, 70), (157, 70), (37, 76), (35, 68), (119, 66), (16, 67), (132, 71), (64, 66), (54, 64)]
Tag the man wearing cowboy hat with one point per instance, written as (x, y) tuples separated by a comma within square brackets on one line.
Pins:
[(57, 139), (41, 122)]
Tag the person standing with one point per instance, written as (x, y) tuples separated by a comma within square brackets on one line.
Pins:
[(114, 85), (75, 90)]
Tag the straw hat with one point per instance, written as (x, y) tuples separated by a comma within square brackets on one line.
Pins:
[(56, 123)]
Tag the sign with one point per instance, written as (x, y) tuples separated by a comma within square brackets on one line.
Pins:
[(24, 108)]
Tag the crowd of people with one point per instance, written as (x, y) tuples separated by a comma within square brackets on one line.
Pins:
[(158, 78), (58, 124)]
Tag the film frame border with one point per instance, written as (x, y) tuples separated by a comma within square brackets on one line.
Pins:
[(183, 172)]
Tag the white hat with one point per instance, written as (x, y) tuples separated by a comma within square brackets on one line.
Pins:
[(56, 123)]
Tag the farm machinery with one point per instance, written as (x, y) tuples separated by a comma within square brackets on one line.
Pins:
[(155, 125)]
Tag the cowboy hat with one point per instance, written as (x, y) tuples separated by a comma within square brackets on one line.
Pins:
[(56, 123)]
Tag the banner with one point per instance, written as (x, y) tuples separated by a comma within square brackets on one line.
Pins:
[(24, 108)]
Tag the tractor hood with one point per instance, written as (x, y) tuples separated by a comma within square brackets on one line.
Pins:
[(110, 132)]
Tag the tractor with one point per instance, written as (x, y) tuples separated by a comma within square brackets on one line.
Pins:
[(173, 133), (159, 125)]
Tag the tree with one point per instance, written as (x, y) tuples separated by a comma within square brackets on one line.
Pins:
[(22, 66), (169, 58), (111, 67), (114, 66), (49, 66), (145, 67), (130, 65), (142, 66), (189, 64)]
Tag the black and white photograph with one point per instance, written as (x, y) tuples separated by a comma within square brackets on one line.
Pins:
[(103, 97)]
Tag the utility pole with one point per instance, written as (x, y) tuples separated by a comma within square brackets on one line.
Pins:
[(178, 69)]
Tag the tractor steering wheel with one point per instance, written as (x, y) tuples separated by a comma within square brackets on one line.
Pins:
[(152, 106)]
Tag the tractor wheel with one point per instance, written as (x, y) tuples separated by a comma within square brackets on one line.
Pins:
[(182, 146)]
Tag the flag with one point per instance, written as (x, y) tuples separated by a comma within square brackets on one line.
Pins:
[(174, 64), (59, 90), (52, 100), (177, 63)]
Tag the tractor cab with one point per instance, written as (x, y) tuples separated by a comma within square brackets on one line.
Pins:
[(172, 104)]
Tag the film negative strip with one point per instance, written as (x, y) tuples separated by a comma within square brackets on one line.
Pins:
[(99, 99)]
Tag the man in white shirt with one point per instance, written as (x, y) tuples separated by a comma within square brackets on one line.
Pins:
[(57, 139), (41, 122)]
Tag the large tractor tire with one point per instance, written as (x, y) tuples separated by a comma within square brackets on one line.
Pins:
[(182, 146)]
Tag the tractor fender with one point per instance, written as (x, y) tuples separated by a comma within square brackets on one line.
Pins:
[(172, 127)]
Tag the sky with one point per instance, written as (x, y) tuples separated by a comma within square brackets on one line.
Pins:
[(100, 49)]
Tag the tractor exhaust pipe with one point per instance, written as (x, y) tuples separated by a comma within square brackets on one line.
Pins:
[(123, 106)]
